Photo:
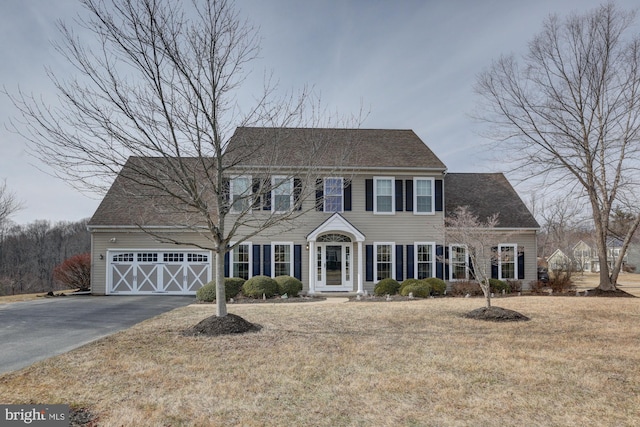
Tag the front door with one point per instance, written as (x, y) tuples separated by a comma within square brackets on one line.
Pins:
[(333, 267)]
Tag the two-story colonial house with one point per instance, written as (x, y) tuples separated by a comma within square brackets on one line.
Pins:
[(379, 213)]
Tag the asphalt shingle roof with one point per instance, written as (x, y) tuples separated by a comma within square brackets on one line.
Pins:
[(486, 194)]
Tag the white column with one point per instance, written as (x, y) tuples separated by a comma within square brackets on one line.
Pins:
[(312, 267), (360, 283)]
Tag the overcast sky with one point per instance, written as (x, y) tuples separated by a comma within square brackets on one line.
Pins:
[(410, 64)]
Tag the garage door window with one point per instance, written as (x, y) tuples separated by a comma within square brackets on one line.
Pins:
[(197, 258), (123, 257), (148, 257), (173, 257)]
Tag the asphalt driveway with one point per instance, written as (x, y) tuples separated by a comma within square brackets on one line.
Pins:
[(35, 330)]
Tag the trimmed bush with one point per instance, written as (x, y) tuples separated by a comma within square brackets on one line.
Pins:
[(408, 282), (232, 286), (497, 286), (260, 285), (419, 289), (386, 286), (288, 285), (464, 287), (438, 286)]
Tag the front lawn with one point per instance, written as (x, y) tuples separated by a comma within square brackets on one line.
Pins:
[(411, 363)]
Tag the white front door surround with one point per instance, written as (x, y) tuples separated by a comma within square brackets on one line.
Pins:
[(331, 257)]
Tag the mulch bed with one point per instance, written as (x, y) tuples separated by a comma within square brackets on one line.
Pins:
[(227, 325), (240, 299), (496, 314)]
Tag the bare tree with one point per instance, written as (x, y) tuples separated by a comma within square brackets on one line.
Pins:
[(9, 203), (480, 239), (572, 111), (158, 98)]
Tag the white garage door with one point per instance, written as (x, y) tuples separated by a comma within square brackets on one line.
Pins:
[(157, 272)]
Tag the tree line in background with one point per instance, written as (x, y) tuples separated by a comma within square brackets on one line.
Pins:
[(30, 253)]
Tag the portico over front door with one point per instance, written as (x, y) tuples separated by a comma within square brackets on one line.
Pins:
[(334, 259)]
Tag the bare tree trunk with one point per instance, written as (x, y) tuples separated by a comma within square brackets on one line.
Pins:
[(221, 301)]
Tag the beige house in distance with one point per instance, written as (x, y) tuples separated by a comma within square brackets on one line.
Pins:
[(379, 214)]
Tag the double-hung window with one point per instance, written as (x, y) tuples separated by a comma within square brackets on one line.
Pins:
[(282, 264), (333, 194), (240, 189), (425, 260), (507, 262), (383, 195), (241, 260), (282, 194), (423, 195), (458, 262), (385, 266)]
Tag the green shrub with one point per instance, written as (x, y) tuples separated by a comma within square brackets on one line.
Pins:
[(419, 288), (288, 285), (497, 286), (260, 285), (232, 286), (408, 282), (438, 286), (386, 286)]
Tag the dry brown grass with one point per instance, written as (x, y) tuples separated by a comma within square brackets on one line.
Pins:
[(413, 363), (6, 299)]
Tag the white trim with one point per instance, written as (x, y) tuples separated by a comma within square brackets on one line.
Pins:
[(336, 223), (415, 195), (375, 259), (231, 262), (375, 194), (286, 180), (248, 197), (515, 260), (466, 262), (273, 257), (324, 194), (415, 258)]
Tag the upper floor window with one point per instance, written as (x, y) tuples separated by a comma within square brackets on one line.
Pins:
[(240, 190), (423, 195), (282, 194), (507, 264), (383, 196), (333, 194)]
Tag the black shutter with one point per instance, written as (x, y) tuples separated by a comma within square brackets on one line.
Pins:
[(440, 262), (494, 262), (266, 195), (408, 187), (256, 260), (226, 264), (439, 195), (472, 273), (266, 260), (319, 194), (347, 195), (297, 192), (446, 263), (257, 197), (410, 256), (369, 263), (399, 263), (368, 184), (297, 261), (399, 196), (521, 265)]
